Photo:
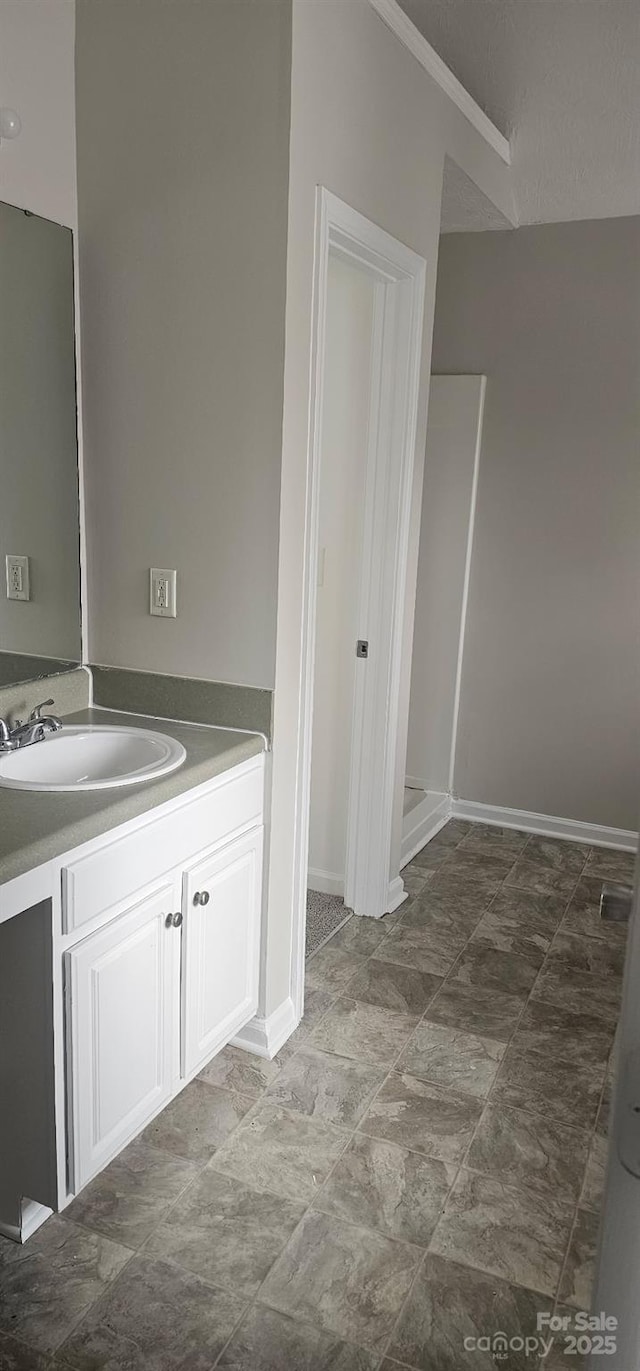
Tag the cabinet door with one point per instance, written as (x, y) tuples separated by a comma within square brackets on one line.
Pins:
[(122, 986), (222, 904)]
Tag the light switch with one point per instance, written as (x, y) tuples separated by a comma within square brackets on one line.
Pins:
[(162, 592), (17, 577)]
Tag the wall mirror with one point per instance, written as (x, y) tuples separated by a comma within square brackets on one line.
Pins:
[(40, 624)]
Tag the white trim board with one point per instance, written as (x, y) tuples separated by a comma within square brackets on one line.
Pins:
[(399, 275), (325, 882), (597, 835), (265, 1037), (416, 783), (422, 823), (411, 38)]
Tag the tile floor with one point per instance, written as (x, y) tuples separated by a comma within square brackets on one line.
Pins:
[(422, 1163)]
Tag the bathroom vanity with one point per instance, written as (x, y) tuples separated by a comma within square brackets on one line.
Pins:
[(129, 946)]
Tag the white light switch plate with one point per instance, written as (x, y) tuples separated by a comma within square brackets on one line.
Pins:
[(17, 577), (162, 592)]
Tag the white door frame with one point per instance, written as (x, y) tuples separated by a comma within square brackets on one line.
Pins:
[(399, 275)]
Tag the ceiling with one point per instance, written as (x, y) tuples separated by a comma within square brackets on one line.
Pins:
[(561, 78)]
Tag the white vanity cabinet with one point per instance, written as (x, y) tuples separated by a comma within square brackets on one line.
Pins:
[(154, 935), (122, 987), (221, 896)]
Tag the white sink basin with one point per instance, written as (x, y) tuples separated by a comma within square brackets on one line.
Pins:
[(91, 757)]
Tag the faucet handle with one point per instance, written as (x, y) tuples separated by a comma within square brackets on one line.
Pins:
[(35, 713)]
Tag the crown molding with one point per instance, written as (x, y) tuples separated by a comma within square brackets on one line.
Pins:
[(400, 24)]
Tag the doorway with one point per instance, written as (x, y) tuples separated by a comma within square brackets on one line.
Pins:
[(369, 295), (345, 428)]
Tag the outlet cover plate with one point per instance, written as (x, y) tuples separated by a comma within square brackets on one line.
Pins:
[(17, 569), (162, 592)]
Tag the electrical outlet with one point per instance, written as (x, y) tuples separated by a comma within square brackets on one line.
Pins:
[(162, 592), (17, 569)]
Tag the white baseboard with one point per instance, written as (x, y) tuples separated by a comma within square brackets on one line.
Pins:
[(422, 823), (265, 1037), (397, 894), (326, 882), (597, 835), (33, 1216)]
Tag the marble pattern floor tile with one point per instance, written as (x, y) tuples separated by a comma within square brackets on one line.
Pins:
[(431, 948), (269, 1341), (364, 1031), (449, 1303), (610, 865), (199, 1119), (567, 1092), (423, 1118), (526, 1149), (494, 840), (241, 1072), (415, 880), (360, 935), (583, 913), (325, 1086), (557, 853), (521, 922), (128, 1198), (595, 955), (505, 1230), (444, 842), (579, 991), (431, 857), (280, 1151), (16, 1356), (458, 884), (155, 1318), (541, 880), (593, 1187), (604, 1110), (382, 1186), (492, 970), (562, 1034), (489, 1013), (577, 1277), (226, 1232), (316, 1004), (487, 871), (392, 986), (346, 1280), (330, 969), (470, 1029), (452, 1058), (47, 1284), (455, 915)]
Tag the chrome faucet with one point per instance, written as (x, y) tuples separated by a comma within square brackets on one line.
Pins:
[(33, 731)]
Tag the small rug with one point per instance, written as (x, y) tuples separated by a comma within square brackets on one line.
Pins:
[(325, 914)]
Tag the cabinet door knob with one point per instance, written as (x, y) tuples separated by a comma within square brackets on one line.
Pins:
[(201, 897), (177, 919), (168, 923)]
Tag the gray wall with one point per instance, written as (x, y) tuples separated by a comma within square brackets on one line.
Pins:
[(549, 703), (183, 146)]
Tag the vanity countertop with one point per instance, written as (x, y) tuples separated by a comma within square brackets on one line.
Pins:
[(36, 827)]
